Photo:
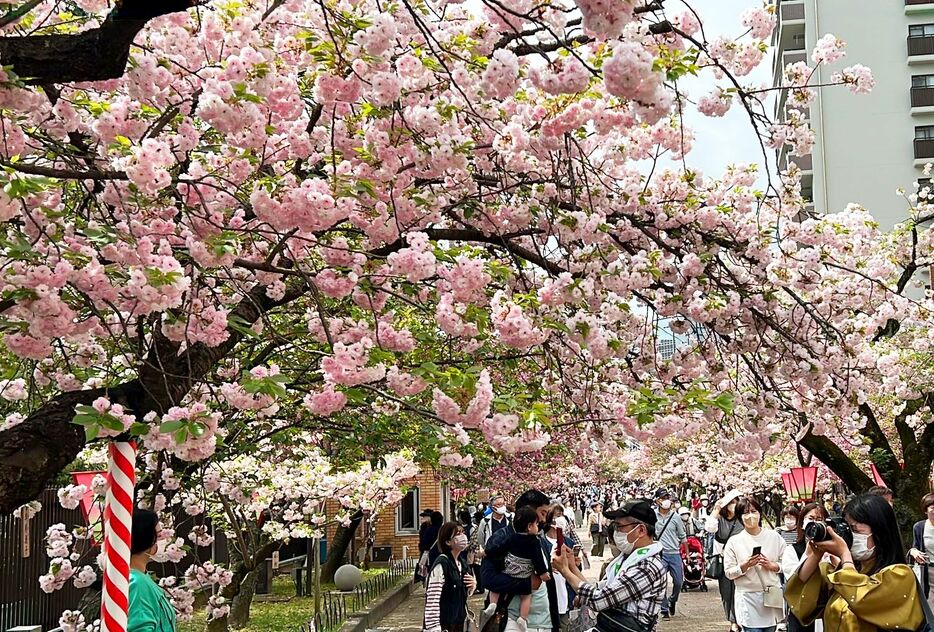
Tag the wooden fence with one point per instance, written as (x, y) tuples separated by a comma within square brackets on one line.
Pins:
[(22, 602)]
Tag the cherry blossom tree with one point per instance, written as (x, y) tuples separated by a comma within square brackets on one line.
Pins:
[(435, 209)]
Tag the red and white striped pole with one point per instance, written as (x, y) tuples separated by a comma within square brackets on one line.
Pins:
[(118, 525)]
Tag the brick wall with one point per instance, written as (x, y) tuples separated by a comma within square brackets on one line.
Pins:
[(430, 492)]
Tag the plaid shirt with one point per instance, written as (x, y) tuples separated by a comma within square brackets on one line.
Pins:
[(638, 592)]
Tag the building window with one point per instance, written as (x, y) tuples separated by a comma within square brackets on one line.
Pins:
[(922, 81), (924, 132), (921, 30), (407, 513)]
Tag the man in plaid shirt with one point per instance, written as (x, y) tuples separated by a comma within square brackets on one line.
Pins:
[(633, 587)]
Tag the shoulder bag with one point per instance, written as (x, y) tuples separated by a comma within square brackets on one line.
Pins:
[(715, 567), (772, 596), (612, 620)]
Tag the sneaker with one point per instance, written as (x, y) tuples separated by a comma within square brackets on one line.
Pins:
[(490, 609), (671, 607), (666, 616)]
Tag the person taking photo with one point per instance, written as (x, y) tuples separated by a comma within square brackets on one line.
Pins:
[(867, 587), (632, 591)]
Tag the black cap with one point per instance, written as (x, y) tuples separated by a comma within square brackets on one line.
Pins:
[(661, 492), (426, 514), (641, 510)]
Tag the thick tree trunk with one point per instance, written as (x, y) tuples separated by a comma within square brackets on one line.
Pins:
[(240, 606), (337, 550), (35, 451), (91, 55), (239, 592)]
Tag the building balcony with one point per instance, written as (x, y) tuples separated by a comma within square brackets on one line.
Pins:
[(922, 101), (924, 149), (918, 6), (920, 48), (805, 163), (793, 11)]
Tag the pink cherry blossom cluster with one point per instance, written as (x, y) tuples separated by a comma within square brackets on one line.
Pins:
[(514, 327), (325, 402), (563, 75), (857, 78), (605, 19), (501, 76), (760, 20), (715, 104), (828, 49)]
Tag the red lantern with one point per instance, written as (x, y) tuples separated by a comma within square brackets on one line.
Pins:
[(804, 482)]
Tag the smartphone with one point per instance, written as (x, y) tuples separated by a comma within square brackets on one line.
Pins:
[(757, 551), (560, 538)]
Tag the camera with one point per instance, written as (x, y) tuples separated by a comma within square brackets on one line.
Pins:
[(817, 531)]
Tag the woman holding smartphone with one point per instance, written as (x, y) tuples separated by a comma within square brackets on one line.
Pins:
[(751, 559)]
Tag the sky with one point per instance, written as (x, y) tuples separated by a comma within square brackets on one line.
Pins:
[(728, 140)]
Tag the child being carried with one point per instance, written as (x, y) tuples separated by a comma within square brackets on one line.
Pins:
[(525, 558)]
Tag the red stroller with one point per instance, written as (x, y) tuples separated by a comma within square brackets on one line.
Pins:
[(694, 564)]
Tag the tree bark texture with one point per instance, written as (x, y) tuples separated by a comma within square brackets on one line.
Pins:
[(337, 550), (93, 55)]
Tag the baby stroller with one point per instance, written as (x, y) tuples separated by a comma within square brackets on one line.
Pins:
[(694, 564)]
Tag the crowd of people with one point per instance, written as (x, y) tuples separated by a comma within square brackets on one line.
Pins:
[(837, 568)]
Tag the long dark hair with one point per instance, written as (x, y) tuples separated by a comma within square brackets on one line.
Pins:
[(808, 508), (876, 513)]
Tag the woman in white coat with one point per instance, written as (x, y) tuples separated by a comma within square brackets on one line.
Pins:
[(751, 560)]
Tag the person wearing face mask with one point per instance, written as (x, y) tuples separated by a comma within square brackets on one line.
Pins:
[(150, 610), (449, 583), (863, 588), (723, 525), (751, 560), (789, 527), (492, 523), (543, 615), (632, 591), (671, 535), (795, 554)]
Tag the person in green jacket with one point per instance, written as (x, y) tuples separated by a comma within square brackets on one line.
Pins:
[(150, 609)]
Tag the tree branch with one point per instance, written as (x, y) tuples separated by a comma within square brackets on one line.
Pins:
[(93, 55)]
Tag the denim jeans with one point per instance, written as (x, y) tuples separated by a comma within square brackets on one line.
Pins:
[(673, 565)]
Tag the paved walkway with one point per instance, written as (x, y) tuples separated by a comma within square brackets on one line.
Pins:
[(696, 612)]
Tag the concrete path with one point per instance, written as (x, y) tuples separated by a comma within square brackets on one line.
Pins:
[(696, 612)]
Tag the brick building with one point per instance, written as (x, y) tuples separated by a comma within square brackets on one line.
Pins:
[(396, 527)]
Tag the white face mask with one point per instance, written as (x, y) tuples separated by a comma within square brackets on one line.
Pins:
[(621, 539), (751, 519), (860, 548), (500, 511), (703, 503), (665, 504), (790, 523), (459, 542)]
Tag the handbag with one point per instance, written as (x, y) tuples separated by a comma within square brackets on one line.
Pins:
[(715, 567), (612, 620), (497, 620), (772, 596)]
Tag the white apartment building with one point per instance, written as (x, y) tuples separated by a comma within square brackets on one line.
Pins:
[(867, 145)]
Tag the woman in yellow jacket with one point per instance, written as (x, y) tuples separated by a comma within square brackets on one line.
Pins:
[(861, 589)]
